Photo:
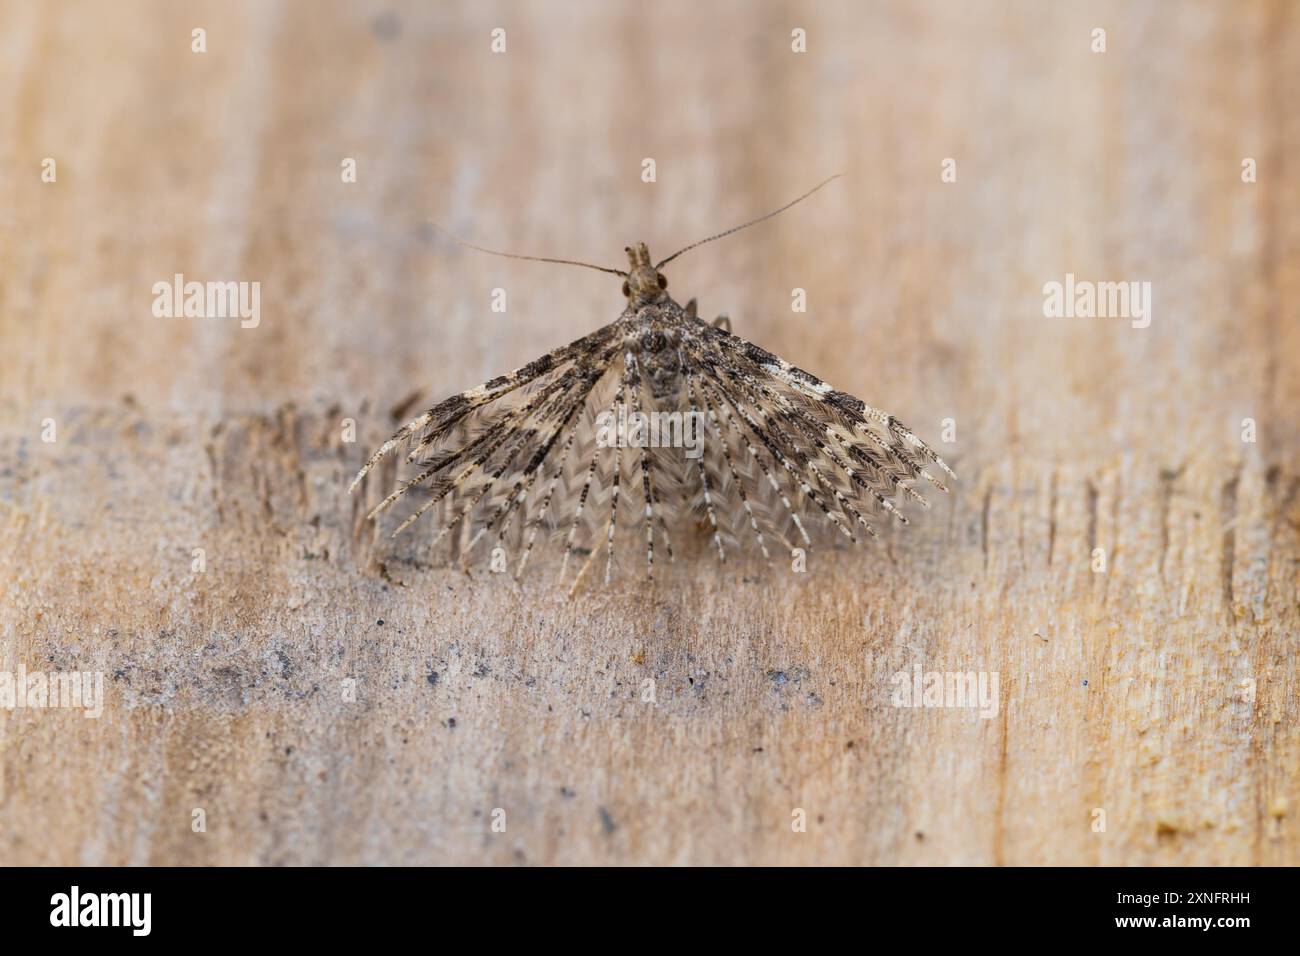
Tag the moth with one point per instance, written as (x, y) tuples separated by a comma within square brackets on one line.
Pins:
[(677, 414)]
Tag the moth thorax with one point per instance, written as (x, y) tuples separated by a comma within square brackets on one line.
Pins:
[(660, 363)]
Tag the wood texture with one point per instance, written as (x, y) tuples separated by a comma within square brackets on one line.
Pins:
[(1162, 691)]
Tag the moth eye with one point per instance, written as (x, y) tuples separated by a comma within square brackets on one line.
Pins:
[(663, 281), (627, 290)]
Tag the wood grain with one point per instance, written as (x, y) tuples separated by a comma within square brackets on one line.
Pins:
[(1162, 691)]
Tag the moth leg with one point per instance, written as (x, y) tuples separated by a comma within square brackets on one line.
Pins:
[(692, 308), (723, 321)]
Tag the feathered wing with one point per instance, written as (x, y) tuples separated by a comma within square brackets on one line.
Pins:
[(817, 449), (521, 458), (479, 455), (447, 414)]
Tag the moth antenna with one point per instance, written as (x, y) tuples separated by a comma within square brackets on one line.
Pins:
[(752, 222), (512, 255)]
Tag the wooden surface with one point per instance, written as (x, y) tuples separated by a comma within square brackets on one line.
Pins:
[(1162, 691)]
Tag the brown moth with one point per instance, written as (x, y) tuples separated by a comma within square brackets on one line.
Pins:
[(753, 445)]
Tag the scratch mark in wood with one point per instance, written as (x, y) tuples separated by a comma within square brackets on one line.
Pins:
[(984, 525), (1229, 509), (1051, 519), (1091, 491), (999, 813), (1168, 478), (1116, 543)]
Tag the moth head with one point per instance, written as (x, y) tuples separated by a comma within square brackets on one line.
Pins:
[(644, 282)]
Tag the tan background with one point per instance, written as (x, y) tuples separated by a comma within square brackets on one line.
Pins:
[(1128, 691)]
